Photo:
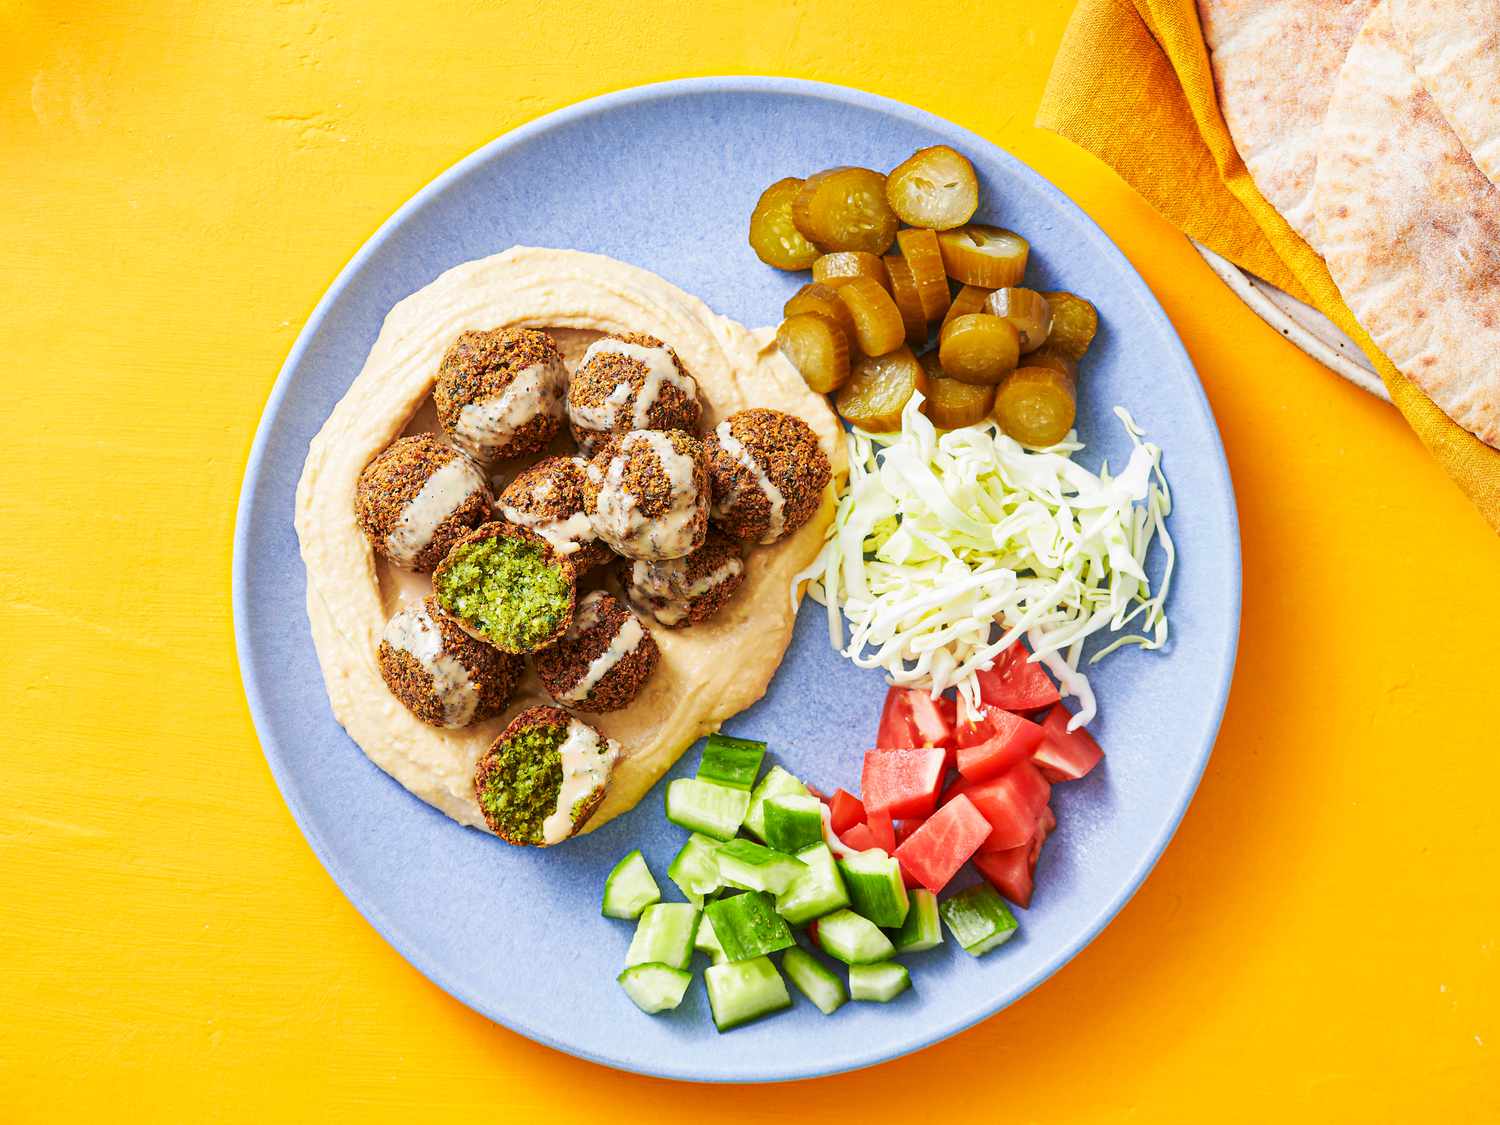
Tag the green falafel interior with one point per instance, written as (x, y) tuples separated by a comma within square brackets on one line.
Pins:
[(520, 793), (506, 589)]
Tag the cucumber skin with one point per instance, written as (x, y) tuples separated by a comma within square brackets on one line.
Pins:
[(753, 867), (881, 982), (709, 945), (878, 895), (629, 912), (814, 980), (685, 818), (877, 947), (793, 822), (690, 860), (776, 782), (923, 929), (636, 979), (820, 865), (730, 761), (755, 980), (753, 912), (979, 919), (646, 944)]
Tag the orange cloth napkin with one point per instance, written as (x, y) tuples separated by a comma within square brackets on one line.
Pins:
[(1132, 84)]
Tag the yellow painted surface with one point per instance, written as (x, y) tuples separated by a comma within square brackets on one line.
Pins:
[(181, 181)]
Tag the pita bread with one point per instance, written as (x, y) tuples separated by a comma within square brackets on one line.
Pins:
[(1274, 64), (1410, 229), (1455, 49)]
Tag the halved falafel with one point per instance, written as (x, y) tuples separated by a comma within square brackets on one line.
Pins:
[(647, 494), (542, 779), (417, 498), (500, 393), (444, 676), (769, 473), (686, 591), (630, 382), (548, 498), (507, 585), (604, 659)]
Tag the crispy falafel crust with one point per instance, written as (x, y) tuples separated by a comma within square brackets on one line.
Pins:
[(493, 673), (479, 365), (560, 613), (717, 549), (787, 451), (393, 479), (561, 667), (596, 380), (565, 478)]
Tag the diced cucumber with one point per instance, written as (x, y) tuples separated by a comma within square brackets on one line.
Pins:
[(814, 980), (921, 930), (731, 761), (882, 982), (741, 991), (654, 987), (708, 942), (817, 891), (776, 782), (748, 865), (875, 887), (707, 807), (695, 870), (629, 888), (978, 919), (793, 821), (852, 939), (747, 925), (664, 935)]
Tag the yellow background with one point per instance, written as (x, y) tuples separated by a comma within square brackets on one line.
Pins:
[(182, 180)]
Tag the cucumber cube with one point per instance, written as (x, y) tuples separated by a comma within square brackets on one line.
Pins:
[(882, 982), (814, 980), (741, 991), (655, 988), (978, 919), (776, 782), (695, 870), (921, 930), (748, 865), (704, 806), (629, 888), (817, 891), (875, 887), (793, 822), (748, 926), (731, 761), (708, 942), (664, 936), (853, 940)]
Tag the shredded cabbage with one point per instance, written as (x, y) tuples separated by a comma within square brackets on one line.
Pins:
[(947, 548)]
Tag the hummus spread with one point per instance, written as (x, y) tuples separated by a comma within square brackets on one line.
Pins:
[(707, 672)]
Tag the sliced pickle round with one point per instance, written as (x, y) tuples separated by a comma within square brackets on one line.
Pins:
[(773, 235), (984, 255), (908, 301), (815, 297), (817, 348), (846, 209), (1074, 323), (969, 299), (1027, 310), (1050, 357), (879, 390), (925, 257), (1036, 405), (952, 404), (978, 348), (935, 188), (878, 327), (832, 269)]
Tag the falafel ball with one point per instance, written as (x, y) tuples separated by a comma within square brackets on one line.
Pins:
[(769, 473), (444, 676), (500, 393), (647, 494), (507, 585), (685, 591), (630, 382), (417, 498), (548, 498), (542, 779), (603, 660)]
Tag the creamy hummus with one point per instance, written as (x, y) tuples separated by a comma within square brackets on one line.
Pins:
[(707, 672)]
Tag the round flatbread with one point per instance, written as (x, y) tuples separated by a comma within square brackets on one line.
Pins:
[(1274, 64), (1455, 49), (1410, 229)]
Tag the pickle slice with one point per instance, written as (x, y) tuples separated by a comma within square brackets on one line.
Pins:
[(922, 252), (831, 268), (1027, 310), (1036, 405), (818, 350), (1074, 323), (952, 404), (773, 235), (908, 301), (879, 389), (935, 188), (984, 255), (1050, 357), (969, 299), (815, 297), (846, 209), (878, 327), (978, 348)]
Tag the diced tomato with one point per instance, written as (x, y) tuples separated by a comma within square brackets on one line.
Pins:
[(944, 843), (1009, 872), (905, 828), (882, 831), (844, 811), (913, 718), (859, 838), (812, 934), (1012, 803), (1011, 739), (1015, 684), (1062, 756), (902, 783)]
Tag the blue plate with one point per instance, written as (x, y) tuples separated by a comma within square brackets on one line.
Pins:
[(665, 177)]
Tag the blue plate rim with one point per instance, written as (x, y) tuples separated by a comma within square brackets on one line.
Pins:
[(603, 103)]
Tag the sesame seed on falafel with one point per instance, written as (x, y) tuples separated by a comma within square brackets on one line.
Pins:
[(542, 779), (500, 392), (548, 498), (441, 674), (417, 498), (507, 585), (604, 659), (769, 473), (647, 494), (630, 382), (689, 590)]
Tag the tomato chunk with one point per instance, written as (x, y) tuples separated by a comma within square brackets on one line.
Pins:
[(904, 829), (882, 830), (1064, 756), (845, 810), (1012, 803), (858, 837), (1015, 684), (1009, 872), (902, 783), (945, 842), (1010, 739), (912, 718)]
